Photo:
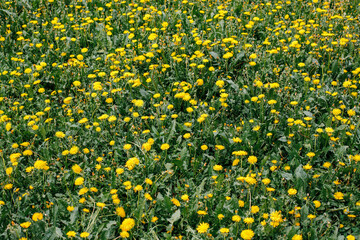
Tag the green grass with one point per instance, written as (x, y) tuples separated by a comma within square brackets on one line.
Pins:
[(179, 119)]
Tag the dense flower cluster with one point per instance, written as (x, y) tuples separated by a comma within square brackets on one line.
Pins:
[(179, 119)]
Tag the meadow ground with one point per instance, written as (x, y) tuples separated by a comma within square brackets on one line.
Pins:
[(193, 119)]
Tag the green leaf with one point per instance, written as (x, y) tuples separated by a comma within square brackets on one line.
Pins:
[(168, 166), (300, 173), (282, 139), (172, 131), (8, 12), (308, 114), (73, 215), (287, 176), (341, 150), (214, 55), (144, 93), (175, 217), (341, 127), (53, 233), (233, 85)]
